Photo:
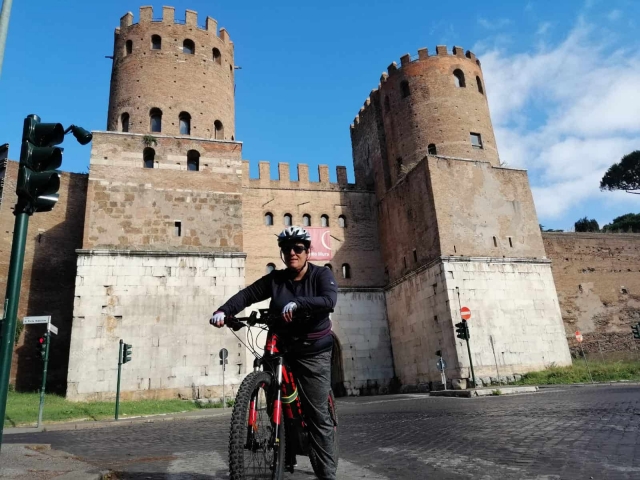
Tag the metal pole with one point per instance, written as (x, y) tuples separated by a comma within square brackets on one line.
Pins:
[(4, 28), (224, 367), (586, 363), (600, 348), (118, 384), (473, 375), (12, 298), (494, 357), (44, 377)]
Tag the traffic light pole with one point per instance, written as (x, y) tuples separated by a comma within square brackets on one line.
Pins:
[(473, 375), (118, 385), (12, 299), (44, 378)]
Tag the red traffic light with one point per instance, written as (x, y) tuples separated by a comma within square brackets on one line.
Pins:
[(41, 340)]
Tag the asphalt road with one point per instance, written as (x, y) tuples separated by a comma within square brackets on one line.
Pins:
[(569, 433)]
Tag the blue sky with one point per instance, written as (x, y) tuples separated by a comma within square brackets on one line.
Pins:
[(562, 79)]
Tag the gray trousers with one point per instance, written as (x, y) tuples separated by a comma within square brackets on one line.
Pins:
[(313, 375)]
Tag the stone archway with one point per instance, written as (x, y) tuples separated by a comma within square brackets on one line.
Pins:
[(337, 371)]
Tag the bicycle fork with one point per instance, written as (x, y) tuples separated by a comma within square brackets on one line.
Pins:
[(277, 403)]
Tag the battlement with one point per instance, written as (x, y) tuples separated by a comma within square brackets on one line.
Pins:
[(286, 181), (168, 18), (423, 55)]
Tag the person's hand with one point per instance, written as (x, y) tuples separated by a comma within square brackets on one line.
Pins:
[(217, 319), (287, 311)]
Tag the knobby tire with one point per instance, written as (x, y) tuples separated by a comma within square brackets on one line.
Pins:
[(238, 468)]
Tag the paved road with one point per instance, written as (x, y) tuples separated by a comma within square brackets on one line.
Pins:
[(571, 433)]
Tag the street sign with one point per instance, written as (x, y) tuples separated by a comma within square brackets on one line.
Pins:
[(52, 328), (465, 313), (224, 353), (40, 319), (579, 336), (441, 364)]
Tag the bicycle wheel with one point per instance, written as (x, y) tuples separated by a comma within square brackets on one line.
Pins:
[(253, 450)]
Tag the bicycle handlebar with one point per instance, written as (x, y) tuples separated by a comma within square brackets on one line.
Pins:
[(269, 318)]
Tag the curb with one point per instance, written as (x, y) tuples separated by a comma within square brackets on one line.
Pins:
[(620, 383), (484, 392), (88, 425)]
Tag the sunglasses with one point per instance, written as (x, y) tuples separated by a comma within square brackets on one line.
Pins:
[(298, 249)]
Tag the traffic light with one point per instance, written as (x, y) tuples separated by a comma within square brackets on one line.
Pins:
[(42, 341), (38, 180), (126, 353), (636, 330), (462, 330)]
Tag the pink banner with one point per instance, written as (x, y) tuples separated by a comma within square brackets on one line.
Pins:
[(320, 244)]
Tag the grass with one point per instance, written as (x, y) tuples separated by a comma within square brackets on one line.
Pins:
[(578, 373), (22, 409)]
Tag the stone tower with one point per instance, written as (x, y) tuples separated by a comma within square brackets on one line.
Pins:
[(175, 75), (455, 227)]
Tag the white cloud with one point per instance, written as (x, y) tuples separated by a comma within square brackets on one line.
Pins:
[(566, 112), (494, 24), (543, 28), (614, 15)]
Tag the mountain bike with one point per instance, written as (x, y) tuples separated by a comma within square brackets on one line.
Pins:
[(268, 426)]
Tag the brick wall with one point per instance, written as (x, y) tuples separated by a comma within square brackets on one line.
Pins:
[(48, 279), (597, 276), (132, 207)]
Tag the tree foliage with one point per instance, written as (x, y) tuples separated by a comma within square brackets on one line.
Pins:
[(586, 225), (624, 175), (624, 224)]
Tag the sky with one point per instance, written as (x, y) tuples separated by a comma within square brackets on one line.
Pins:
[(562, 79)]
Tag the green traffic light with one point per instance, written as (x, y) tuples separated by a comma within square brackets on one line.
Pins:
[(40, 158), (32, 184)]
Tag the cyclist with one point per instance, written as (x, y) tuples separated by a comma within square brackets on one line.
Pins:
[(301, 286)]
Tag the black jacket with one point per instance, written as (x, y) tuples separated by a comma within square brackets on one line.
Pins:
[(316, 290)]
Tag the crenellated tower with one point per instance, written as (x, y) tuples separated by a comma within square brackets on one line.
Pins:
[(172, 77), (428, 104)]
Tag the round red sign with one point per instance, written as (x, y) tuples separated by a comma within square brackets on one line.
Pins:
[(465, 313)]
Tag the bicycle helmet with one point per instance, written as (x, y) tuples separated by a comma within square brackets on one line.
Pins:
[(294, 234)]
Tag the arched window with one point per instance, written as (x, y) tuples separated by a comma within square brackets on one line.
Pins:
[(328, 265), (479, 82), (270, 267), (342, 221), (128, 47), (306, 220), (185, 123), (387, 106), (219, 130), (148, 156), (124, 122), (459, 78), (346, 270), (217, 57), (404, 88), (155, 115), (188, 47), (268, 219), (156, 42), (193, 160), (287, 220), (324, 221), (431, 149)]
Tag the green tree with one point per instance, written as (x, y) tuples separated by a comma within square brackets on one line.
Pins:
[(624, 224), (586, 225), (624, 175)]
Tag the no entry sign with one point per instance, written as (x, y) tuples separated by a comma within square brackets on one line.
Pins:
[(578, 336), (465, 313)]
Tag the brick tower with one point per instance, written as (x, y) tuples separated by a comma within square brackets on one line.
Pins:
[(174, 74), (456, 228)]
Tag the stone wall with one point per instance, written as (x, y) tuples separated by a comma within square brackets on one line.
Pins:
[(160, 303), (48, 279), (597, 276), (513, 301), (132, 207)]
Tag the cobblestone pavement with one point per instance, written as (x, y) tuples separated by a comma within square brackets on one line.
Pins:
[(568, 433)]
